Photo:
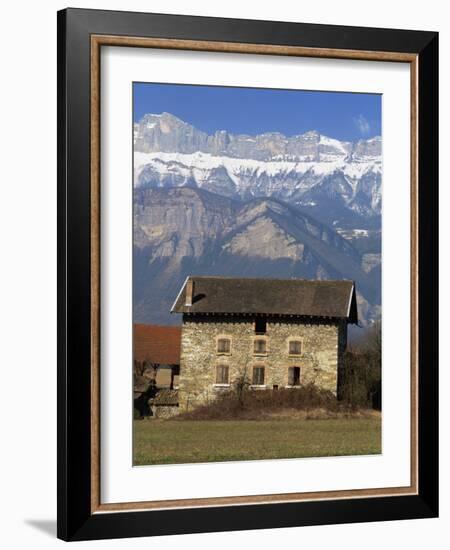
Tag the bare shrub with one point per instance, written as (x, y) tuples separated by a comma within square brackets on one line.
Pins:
[(360, 381), (253, 404)]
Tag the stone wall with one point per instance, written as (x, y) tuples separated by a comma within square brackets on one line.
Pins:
[(322, 346)]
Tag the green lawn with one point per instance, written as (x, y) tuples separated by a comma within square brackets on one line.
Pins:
[(177, 442)]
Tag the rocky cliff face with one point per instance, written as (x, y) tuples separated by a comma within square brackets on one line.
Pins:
[(165, 133), (339, 182), (181, 231)]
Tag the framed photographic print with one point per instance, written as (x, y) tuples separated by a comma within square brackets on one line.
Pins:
[(247, 274)]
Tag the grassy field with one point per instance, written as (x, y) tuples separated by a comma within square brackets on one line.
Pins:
[(177, 442)]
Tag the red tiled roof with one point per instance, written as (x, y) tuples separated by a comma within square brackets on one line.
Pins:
[(157, 344)]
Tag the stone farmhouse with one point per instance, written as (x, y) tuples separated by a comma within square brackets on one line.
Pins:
[(276, 333)]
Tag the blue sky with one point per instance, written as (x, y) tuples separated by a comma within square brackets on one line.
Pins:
[(342, 115)]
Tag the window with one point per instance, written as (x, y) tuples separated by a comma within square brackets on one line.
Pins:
[(295, 347), (294, 376), (260, 325), (222, 374), (223, 345), (260, 346), (258, 376)]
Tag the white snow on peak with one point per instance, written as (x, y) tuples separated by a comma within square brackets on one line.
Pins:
[(324, 140), (199, 165)]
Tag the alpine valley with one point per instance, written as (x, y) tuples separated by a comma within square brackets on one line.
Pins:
[(267, 205)]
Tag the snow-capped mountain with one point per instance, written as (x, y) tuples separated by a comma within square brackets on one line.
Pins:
[(338, 181), (305, 206), (309, 170)]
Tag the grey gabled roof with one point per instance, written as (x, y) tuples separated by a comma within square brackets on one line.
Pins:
[(241, 296)]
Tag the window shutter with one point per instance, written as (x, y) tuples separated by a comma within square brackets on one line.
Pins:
[(260, 346), (223, 345), (290, 376), (295, 347), (258, 376), (222, 374)]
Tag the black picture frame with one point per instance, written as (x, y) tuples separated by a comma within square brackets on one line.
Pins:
[(75, 518)]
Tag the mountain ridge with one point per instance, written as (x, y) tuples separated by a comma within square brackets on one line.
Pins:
[(166, 132), (184, 231), (308, 170)]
